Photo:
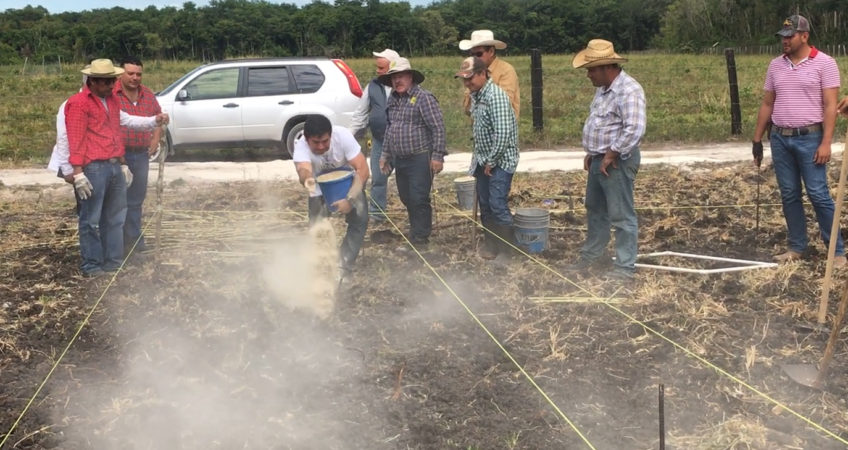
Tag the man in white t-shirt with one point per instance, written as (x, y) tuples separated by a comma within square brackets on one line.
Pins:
[(324, 148)]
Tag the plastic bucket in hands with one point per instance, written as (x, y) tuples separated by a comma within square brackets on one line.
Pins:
[(464, 187), (531, 229), (334, 186)]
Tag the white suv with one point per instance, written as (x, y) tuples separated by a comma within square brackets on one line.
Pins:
[(257, 102)]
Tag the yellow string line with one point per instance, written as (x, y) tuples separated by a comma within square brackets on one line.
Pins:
[(685, 350), (486, 330), (73, 339)]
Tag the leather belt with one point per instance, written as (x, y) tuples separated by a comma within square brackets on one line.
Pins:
[(801, 131), (110, 160), (136, 149)]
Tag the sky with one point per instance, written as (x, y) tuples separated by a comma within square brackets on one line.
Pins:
[(58, 6)]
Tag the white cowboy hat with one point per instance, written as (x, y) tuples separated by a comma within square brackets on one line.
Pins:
[(598, 53), (386, 54), (481, 38), (102, 68), (397, 66)]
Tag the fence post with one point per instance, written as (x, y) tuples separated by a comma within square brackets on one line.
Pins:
[(536, 92), (735, 111)]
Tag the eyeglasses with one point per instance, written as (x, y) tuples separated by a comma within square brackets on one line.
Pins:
[(477, 54)]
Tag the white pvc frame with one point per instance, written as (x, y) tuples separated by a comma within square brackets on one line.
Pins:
[(744, 264)]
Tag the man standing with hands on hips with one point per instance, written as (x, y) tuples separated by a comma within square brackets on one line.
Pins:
[(93, 119), (611, 137), (800, 100)]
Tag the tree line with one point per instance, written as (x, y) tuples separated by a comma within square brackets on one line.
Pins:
[(353, 28)]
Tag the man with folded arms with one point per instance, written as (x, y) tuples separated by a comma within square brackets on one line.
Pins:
[(800, 100), (93, 119)]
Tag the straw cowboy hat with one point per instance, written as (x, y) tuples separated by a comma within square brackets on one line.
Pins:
[(481, 38), (598, 53), (102, 68), (397, 66)]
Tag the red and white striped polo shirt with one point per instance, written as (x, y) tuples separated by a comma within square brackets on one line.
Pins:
[(798, 88)]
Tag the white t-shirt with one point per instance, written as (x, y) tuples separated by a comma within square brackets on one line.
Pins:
[(343, 148)]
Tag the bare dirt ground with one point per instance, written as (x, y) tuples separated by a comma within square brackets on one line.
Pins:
[(210, 344)]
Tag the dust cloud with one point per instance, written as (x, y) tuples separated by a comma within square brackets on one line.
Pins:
[(241, 356)]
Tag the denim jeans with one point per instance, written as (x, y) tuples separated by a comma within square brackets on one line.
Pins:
[(609, 204), (414, 181), (492, 195), (357, 226), (139, 164), (793, 163), (379, 182), (101, 219)]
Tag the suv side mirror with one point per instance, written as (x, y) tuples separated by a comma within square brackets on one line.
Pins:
[(183, 95)]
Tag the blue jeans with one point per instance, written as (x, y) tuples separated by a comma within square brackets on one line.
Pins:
[(101, 219), (492, 195), (609, 204), (414, 181), (379, 182), (793, 163), (139, 164), (357, 226)]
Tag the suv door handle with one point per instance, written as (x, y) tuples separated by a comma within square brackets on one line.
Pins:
[(285, 102), (231, 105)]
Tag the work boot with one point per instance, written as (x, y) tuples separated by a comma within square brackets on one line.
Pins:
[(507, 238), (789, 255), (488, 249)]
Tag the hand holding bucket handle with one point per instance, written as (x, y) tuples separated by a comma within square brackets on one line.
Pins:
[(309, 183)]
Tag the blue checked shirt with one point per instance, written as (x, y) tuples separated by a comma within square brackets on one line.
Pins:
[(495, 130), (414, 125), (616, 118)]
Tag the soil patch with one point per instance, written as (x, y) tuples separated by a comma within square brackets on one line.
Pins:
[(211, 342)]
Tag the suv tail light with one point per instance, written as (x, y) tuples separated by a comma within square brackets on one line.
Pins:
[(352, 81)]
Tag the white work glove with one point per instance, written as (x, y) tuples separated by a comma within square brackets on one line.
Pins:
[(309, 184), (127, 174), (82, 186)]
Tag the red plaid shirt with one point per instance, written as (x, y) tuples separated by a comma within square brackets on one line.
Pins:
[(145, 106), (93, 133)]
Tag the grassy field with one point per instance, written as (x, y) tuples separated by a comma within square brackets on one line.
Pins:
[(688, 99)]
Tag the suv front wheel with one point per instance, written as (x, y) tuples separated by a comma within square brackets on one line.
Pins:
[(294, 133)]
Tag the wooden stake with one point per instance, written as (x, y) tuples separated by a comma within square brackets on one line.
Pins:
[(834, 230), (160, 186), (474, 218)]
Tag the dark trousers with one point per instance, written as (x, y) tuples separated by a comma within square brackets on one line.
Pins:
[(414, 181), (139, 164)]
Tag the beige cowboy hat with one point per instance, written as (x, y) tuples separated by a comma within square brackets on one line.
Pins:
[(598, 53), (102, 68), (481, 38), (386, 54), (397, 66)]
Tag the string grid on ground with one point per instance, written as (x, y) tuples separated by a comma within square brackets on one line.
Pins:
[(657, 333), (491, 336)]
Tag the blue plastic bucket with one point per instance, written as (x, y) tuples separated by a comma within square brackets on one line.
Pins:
[(531, 229), (334, 186), (464, 187)]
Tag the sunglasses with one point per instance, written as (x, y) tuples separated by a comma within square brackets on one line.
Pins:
[(103, 80), (477, 54)]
